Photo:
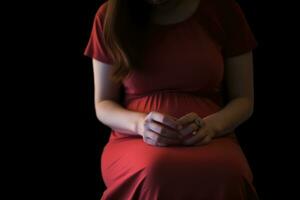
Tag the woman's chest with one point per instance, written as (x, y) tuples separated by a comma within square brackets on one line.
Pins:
[(178, 58)]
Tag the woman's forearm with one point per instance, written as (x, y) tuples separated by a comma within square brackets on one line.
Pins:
[(118, 118), (232, 115)]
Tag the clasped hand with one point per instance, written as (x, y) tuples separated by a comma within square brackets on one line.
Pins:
[(164, 130)]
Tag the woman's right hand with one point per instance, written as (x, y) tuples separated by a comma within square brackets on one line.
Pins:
[(159, 129)]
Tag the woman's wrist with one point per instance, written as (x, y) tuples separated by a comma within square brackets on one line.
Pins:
[(214, 124), (231, 116), (218, 125), (139, 126)]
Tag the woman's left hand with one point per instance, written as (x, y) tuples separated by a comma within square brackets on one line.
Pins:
[(202, 136)]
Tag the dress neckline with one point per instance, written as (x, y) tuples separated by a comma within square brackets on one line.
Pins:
[(199, 5)]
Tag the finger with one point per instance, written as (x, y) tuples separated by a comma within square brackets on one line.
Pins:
[(149, 140), (174, 118), (164, 119), (152, 142), (163, 130), (160, 139), (188, 129), (201, 134), (187, 119)]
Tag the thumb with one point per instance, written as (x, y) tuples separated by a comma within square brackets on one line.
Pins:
[(187, 119)]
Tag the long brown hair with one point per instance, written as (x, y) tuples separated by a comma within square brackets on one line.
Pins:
[(125, 31)]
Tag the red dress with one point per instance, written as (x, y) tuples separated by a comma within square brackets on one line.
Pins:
[(183, 72)]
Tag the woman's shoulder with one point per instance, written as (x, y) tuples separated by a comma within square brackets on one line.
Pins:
[(224, 9)]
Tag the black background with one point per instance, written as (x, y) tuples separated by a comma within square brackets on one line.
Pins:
[(56, 140)]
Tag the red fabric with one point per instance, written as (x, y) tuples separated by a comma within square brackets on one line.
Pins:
[(183, 72), (95, 47)]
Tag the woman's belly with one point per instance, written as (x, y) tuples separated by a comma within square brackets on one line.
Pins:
[(173, 103)]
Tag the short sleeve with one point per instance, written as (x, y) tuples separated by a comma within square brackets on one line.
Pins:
[(95, 47), (237, 35)]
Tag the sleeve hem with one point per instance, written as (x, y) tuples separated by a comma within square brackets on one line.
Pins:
[(238, 52), (99, 58)]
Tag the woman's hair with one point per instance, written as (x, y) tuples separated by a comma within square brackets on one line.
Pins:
[(125, 31)]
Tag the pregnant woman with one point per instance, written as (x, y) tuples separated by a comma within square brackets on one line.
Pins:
[(186, 69)]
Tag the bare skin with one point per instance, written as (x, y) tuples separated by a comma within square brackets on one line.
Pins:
[(173, 11)]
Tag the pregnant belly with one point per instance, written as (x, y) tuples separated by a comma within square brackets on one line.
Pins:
[(174, 104)]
